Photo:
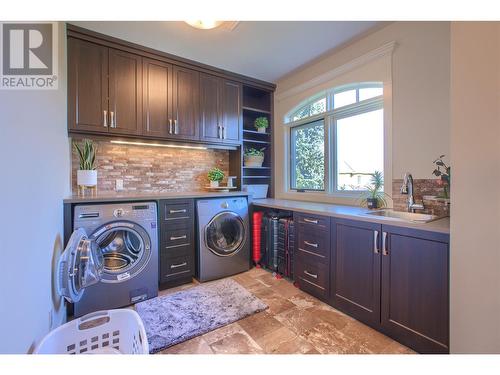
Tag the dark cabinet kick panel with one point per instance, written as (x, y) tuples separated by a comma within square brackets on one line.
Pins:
[(394, 279)]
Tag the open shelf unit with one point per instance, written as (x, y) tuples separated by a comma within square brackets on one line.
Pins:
[(258, 102)]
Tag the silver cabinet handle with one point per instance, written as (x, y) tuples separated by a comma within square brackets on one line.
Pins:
[(385, 251), (178, 238), (311, 244), (376, 250), (105, 118), (224, 132), (172, 266), (113, 119), (219, 131), (170, 126), (311, 274), (177, 211), (311, 221), (176, 129)]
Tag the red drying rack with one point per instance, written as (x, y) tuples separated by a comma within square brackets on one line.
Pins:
[(256, 231)]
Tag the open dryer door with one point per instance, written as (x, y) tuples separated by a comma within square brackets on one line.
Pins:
[(80, 265)]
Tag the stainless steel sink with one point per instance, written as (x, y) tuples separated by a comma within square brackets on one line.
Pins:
[(404, 216)]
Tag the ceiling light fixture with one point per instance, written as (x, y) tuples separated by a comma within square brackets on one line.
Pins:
[(207, 25), (158, 145)]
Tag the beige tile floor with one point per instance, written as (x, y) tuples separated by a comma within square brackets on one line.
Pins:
[(295, 323)]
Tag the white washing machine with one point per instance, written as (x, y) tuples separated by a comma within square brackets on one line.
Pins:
[(111, 259), (223, 237)]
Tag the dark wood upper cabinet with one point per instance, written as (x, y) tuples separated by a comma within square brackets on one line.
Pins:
[(415, 289), (209, 108), (185, 101), (355, 269), (220, 109), (231, 111), (157, 98), (125, 92), (87, 86)]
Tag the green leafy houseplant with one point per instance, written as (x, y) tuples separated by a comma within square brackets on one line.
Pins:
[(443, 171), (215, 174), (254, 157), (86, 154), (261, 124), (374, 197), (254, 152)]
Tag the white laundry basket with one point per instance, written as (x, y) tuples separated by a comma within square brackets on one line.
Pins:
[(118, 331)]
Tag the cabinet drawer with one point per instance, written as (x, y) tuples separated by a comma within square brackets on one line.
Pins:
[(181, 266), (312, 221), (313, 278), (313, 244), (178, 211), (177, 251), (177, 237)]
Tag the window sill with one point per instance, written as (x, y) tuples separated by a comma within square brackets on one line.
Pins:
[(345, 199)]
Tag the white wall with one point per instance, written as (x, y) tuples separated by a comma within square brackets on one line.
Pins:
[(34, 155), (420, 94), (475, 152)]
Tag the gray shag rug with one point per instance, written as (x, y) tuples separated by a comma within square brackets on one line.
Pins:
[(180, 316)]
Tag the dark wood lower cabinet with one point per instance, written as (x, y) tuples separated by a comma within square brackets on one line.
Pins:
[(394, 279), (415, 289), (355, 269)]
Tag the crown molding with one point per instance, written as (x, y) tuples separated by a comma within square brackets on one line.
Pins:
[(383, 50)]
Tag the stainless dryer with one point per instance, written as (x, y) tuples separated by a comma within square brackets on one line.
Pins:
[(223, 237)]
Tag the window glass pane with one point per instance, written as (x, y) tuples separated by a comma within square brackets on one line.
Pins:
[(318, 107), (308, 156), (370, 92), (344, 98), (302, 113), (360, 149)]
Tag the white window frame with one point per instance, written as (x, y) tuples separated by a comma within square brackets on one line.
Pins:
[(330, 117)]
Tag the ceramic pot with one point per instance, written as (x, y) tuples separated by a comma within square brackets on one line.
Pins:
[(86, 178), (261, 130), (372, 203), (214, 184), (253, 161)]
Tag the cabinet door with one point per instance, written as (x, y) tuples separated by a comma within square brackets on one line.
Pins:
[(230, 110), (157, 100), (185, 103), (210, 92), (356, 269), (125, 92), (87, 86), (415, 299)]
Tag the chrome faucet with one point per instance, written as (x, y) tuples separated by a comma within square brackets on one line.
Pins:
[(407, 188)]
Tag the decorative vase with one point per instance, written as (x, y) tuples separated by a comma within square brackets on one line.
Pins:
[(261, 130), (214, 184), (86, 178), (253, 161), (372, 203)]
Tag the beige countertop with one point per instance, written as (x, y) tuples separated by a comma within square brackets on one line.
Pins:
[(132, 196), (350, 212)]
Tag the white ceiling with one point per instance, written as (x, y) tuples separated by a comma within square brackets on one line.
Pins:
[(264, 50)]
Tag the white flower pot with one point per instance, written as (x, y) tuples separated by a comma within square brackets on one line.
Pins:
[(214, 184), (86, 178), (261, 130)]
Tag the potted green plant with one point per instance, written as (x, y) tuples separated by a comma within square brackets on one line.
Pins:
[(374, 197), (261, 124), (254, 157), (215, 175), (86, 176), (443, 171)]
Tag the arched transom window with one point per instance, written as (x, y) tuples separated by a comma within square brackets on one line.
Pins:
[(337, 139)]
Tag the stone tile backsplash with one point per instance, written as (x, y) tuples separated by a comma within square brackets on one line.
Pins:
[(152, 169), (421, 188)]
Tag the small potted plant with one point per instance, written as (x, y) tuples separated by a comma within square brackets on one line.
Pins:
[(374, 197), (444, 175), (261, 124), (215, 175), (254, 157), (86, 176)]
